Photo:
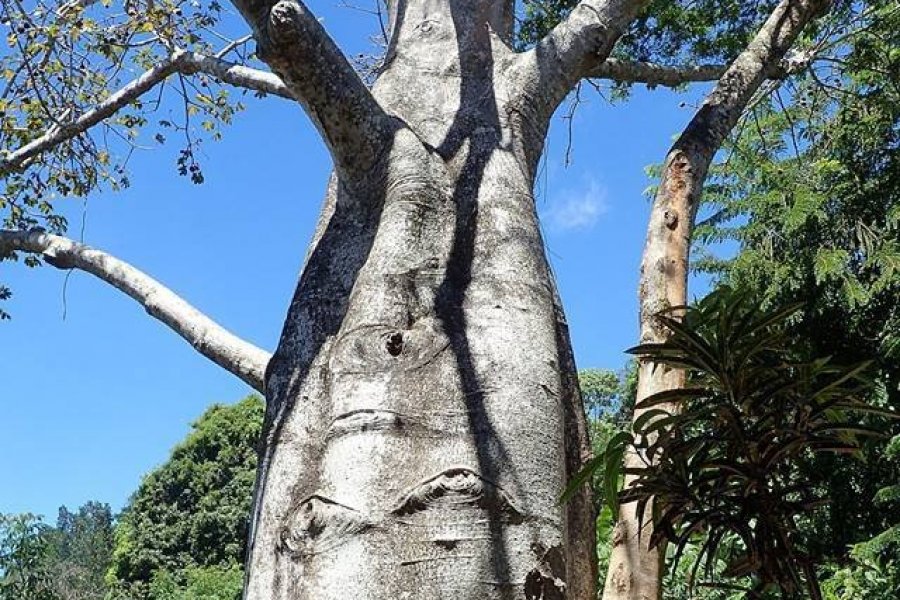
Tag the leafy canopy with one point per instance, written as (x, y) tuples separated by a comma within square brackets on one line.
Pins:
[(192, 513), (68, 561)]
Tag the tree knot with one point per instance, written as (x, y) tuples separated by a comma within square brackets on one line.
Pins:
[(285, 18), (319, 524), (670, 218), (394, 343)]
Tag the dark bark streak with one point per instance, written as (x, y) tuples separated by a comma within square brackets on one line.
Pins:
[(474, 90), (581, 516), (321, 320)]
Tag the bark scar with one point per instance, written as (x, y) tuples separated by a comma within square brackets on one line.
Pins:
[(318, 524), (459, 487), (670, 217), (547, 580)]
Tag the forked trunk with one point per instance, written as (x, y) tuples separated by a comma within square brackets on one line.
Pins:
[(423, 416)]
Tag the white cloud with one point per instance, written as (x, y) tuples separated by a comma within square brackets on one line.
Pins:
[(577, 208)]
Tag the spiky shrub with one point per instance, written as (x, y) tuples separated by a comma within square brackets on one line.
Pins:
[(724, 468)]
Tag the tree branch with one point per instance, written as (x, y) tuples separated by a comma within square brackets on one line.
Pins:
[(541, 78), (664, 264), (210, 339), (765, 54), (653, 74), (576, 45), (179, 62), (295, 45), (235, 74)]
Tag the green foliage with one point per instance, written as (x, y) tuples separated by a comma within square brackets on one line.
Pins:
[(727, 464), (678, 32), (873, 568), (666, 30), (182, 536), (62, 59), (809, 192), (605, 467), (191, 514), (82, 547), (599, 390), (199, 583), (608, 399), (40, 562), (608, 396), (24, 566), (873, 572)]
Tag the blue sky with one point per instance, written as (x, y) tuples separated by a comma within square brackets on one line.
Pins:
[(93, 401)]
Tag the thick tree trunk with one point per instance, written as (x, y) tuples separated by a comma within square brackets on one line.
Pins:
[(423, 416)]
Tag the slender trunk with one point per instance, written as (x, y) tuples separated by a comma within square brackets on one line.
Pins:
[(422, 415), (636, 570)]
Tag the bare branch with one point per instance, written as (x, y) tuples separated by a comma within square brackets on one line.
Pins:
[(73, 5), (234, 74), (653, 74), (179, 62), (295, 45), (210, 339)]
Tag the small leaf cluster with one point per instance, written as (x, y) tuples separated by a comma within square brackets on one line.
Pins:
[(64, 58)]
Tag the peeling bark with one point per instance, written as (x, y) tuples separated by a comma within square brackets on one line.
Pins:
[(635, 570)]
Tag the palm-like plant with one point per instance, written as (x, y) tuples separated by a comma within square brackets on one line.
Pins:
[(723, 469)]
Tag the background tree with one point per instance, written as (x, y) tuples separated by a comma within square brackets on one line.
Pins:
[(808, 192), (828, 136), (65, 562), (81, 549), (24, 550), (185, 528)]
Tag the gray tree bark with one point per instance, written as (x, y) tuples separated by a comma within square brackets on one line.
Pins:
[(423, 414)]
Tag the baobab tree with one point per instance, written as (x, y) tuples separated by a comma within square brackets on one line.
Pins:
[(422, 410)]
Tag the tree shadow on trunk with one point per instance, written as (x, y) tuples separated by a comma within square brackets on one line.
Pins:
[(481, 128)]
